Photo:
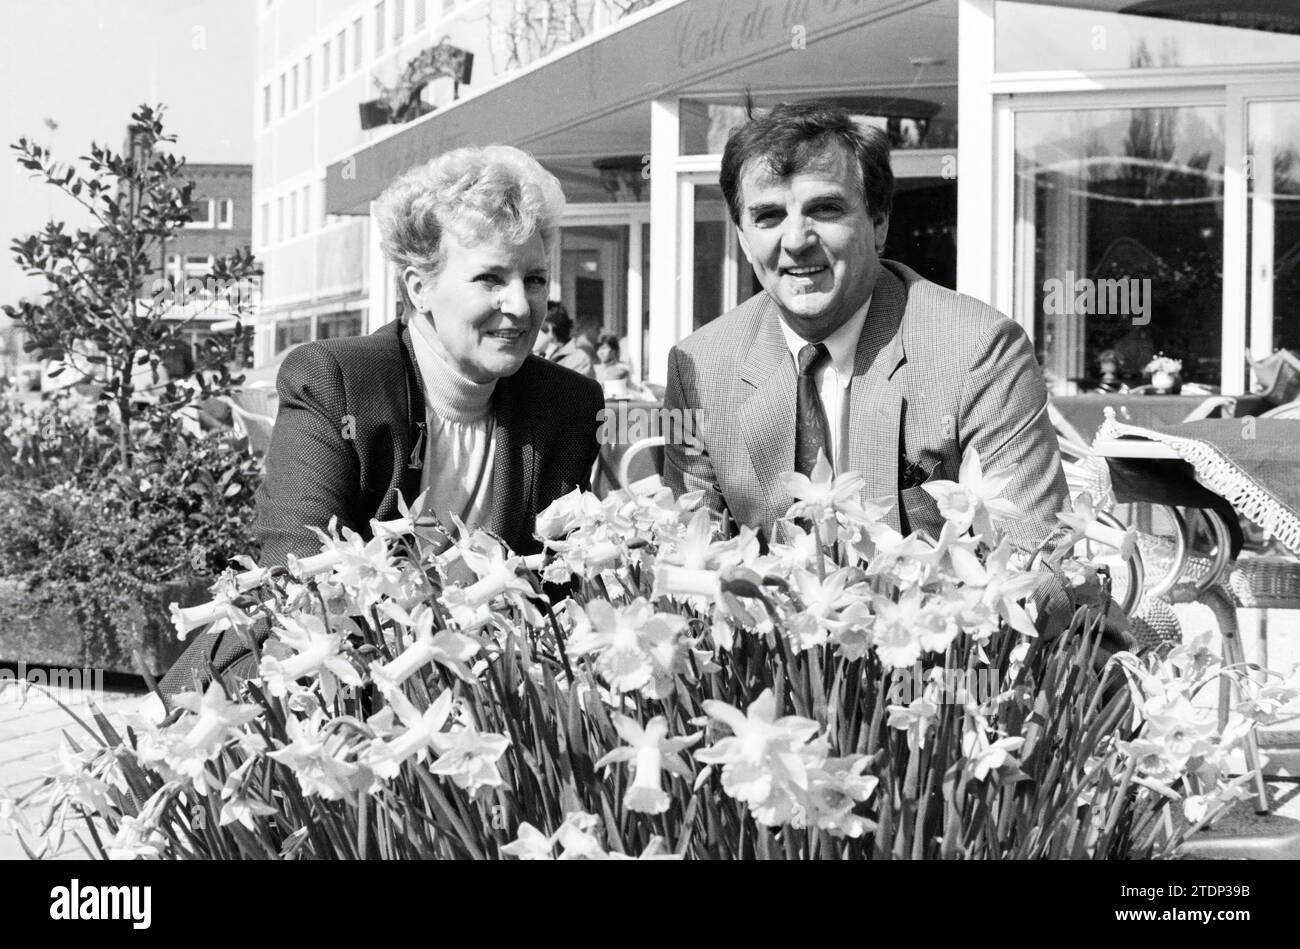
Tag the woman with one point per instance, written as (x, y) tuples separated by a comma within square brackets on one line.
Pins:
[(608, 368), (446, 401)]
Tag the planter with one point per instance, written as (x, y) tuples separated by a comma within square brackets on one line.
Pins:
[(52, 635)]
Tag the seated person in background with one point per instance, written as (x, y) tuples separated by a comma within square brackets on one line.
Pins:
[(555, 341), (608, 367), (447, 400)]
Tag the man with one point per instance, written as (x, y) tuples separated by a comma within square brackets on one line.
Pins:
[(858, 358), (555, 342)]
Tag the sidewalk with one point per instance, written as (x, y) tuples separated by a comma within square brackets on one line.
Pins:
[(30, 733)]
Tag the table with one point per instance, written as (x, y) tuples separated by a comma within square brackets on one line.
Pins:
[(1087, 412), (1246, 465)]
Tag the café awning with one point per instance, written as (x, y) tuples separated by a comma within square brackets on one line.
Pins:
[(696, 47)]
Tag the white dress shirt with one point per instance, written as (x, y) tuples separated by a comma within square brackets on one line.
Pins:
[(833, 379)]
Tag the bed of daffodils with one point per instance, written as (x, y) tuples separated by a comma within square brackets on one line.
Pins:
[(846, 692)]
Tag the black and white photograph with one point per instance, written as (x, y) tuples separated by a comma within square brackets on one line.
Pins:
[(674, 430)]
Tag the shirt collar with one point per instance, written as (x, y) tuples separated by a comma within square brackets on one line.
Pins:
[(842, 344)]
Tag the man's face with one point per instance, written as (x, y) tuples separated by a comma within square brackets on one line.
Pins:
[(811, 241)]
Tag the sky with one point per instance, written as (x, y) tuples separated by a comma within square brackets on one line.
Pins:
[(85, 65)]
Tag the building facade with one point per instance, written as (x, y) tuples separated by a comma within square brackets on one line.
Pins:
[(319, 62), (1119, 177)]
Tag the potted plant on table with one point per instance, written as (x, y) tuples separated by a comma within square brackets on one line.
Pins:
[(1166, 374)]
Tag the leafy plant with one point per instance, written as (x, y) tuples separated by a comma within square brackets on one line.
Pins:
[(105, 545), (102, 316)]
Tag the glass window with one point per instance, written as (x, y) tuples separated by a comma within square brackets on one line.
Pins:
[(279, 219), (306, 208), (1119, 240), (419, 13), (1029, 37), (306, 79), (325, 65), (201, 213), (710, 264), (266, 105), (910, 121), (356, 43), (293, 96), (379, 27), (266, 223), (341, 45), (334, 325), (284, 81), (1273, 222), (293, 213), (399, 20), (225, 213), (593, 278), (923, 228), (290, 332)]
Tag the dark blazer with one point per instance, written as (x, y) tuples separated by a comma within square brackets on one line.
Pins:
[(350, 428)]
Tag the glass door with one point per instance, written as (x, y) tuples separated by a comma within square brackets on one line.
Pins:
[(1272, 179)]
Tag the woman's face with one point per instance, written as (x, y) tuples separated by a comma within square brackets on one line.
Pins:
[(486, 304), (604, 353)]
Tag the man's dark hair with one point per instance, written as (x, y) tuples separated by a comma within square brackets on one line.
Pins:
[(557, 317), (795, 136)]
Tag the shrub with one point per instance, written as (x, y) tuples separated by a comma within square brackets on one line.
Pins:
[(111, 549)]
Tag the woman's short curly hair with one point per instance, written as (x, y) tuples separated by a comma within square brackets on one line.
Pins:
[(478, 194)]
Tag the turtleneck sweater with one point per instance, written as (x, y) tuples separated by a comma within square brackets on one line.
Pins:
[(461, 441)]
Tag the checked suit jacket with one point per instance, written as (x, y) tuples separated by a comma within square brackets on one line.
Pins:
[(935, 373), (351, 412)]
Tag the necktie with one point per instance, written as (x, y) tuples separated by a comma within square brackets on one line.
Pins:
[(811, 433)]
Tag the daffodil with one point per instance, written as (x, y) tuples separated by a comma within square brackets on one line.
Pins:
[(835, 788), (385, 758), (468, 757), (761, 765), (217, 716), (1003, 588), (216, 615), (530, 844), (635, 647), (652, 751), (567, 513), (975, 499), (915, 719), (984, 756), (447, 648), (317, 759), (825, 495), (315, 653), (904, 629), (819, 605), (366, 568), (1083, 523)]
